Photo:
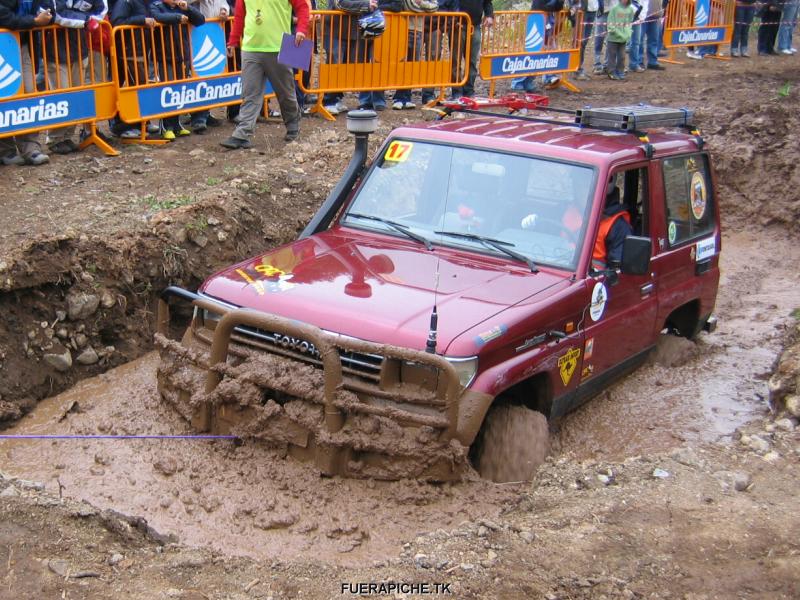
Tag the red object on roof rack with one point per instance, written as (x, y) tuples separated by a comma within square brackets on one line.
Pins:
[(513, 102)]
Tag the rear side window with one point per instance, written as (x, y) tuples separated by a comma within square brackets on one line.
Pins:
[(688, 197)]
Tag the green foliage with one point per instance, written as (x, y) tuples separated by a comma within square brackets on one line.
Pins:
[(783, 91), (154, 203)]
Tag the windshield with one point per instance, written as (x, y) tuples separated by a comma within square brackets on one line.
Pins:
[(535, 207)]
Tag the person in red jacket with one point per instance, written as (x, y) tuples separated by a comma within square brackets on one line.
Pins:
[(258, 27)]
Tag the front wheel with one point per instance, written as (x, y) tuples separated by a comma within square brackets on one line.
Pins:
[(514, 441)]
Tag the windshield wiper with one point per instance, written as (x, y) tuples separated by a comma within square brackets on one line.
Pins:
[(495, 244), (397, 227)]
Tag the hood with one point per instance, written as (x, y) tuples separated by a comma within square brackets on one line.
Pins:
[(378, 288)]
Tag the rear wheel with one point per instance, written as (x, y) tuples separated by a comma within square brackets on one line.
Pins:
[(514, 441)]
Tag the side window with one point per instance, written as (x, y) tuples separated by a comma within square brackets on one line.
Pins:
[(633, 193), (688, 198)]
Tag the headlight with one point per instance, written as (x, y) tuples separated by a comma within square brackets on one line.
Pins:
[(465, 369)]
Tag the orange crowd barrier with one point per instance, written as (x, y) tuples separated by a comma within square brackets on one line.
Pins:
[(172, 70), (75, 85), (530, 43), (698, 23), (415, 51)]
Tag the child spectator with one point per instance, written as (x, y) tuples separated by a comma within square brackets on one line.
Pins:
[(19, 15), (620, 19), (172, 51)]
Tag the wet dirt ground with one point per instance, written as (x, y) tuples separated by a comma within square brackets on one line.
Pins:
[(638, 500)]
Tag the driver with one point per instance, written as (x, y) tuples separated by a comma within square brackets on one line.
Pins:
[(615, 226)]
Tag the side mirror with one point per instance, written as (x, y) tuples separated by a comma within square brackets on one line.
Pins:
[(636, 255)]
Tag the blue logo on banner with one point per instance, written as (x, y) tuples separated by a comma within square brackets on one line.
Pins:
[(10, 65), (190, 95), (529, 64), (45, 111), (690, 37), (208, 50), (702, 11), (534, 36)]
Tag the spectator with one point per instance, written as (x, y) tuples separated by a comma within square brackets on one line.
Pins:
[(479, 11), (210, 9), (132, 49), (172, 51), (635, 45), (416, 25), (234, 63), (770, 14), (18, 15), (788, 23), (65, 50), (260, 38), (619, 33), (600, 31), (435, 30), (589, 8), (743, 18), (651, 29), (615, 224)]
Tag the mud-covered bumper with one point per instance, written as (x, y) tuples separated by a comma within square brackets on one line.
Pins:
[(401, 420)]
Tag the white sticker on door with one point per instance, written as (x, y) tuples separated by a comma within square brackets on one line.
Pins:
[(706, 249), (599, 297)]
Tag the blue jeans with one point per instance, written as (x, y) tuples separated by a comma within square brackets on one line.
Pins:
[(741, 26), (651, 29), (413, 53), (371, 99), (788, 22), (600, 28), (472, 67), (586, 34), (635, 48)]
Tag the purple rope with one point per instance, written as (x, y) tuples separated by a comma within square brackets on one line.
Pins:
[(117, 437)]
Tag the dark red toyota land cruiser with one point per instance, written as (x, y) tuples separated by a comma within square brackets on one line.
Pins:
[(466, 272)]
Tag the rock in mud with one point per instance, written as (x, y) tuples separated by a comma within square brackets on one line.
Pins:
[(422, 561), (81, 305), (115, 559), (60, 359), (58, 566), (792, 404), (88, 356), (757, 444), (786, 424), (673, 351), (166, 466), (282, 521)]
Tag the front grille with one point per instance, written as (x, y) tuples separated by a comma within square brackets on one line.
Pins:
[(359, 362)]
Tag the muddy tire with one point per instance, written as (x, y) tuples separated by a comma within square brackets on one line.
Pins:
[(514, 441)]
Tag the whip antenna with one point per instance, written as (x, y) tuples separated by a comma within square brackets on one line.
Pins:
[(430, 345)]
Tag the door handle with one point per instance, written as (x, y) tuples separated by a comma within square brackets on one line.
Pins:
[(647, 289)]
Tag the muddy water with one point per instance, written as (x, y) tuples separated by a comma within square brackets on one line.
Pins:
[(243, 500), (700, 392), (252, 501)]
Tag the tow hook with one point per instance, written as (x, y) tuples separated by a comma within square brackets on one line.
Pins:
[(710, 324)]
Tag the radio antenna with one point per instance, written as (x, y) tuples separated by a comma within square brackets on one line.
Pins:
[(430, 345)]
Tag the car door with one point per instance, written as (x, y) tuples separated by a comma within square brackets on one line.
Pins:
[(620, 318)]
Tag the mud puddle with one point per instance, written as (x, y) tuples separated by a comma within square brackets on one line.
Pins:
[(244, 500), (703, 391)]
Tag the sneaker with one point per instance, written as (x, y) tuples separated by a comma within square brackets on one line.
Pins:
[(598, 70), (793, 50), (397, 105), (581, 75), (273, 114), (306, 110), (213, 121), (638, 69), (551, 79), (379, 106), (331, 108), (168, 135), (183, 132), (235, 143), (409, 105), (735, 52), (13, 159), (153, 128), (745, 54), (291, 135), (341, 106), (657, 67), (199, 127), (36, 158), (64, 147), (129, 134), (694, 55), (614, 76), (787, 52)]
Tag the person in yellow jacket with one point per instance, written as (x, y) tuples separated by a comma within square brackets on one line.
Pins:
[(258, 27)]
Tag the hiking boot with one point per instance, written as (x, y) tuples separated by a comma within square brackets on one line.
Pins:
[(199, 127), (64, 147), (235, 143), (36, 158), (291, 135)]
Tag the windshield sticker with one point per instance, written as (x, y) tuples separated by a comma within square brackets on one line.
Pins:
[(567, 364), (697, 194), (599, 297), (706, 249), (492, 334), (672, 232), (398, 151)]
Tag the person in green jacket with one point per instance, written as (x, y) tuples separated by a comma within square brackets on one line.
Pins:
[(620, 19)]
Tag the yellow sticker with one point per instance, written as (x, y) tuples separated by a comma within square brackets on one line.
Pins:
[(567, 364), (398, 151), (257, 285), (269, 270)]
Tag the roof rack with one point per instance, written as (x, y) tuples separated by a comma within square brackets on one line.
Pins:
[(633, 119)]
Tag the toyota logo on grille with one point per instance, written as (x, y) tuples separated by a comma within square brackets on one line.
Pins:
[(298, 345)]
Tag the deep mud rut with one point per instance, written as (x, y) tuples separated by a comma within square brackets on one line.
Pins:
[(252, 501)]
